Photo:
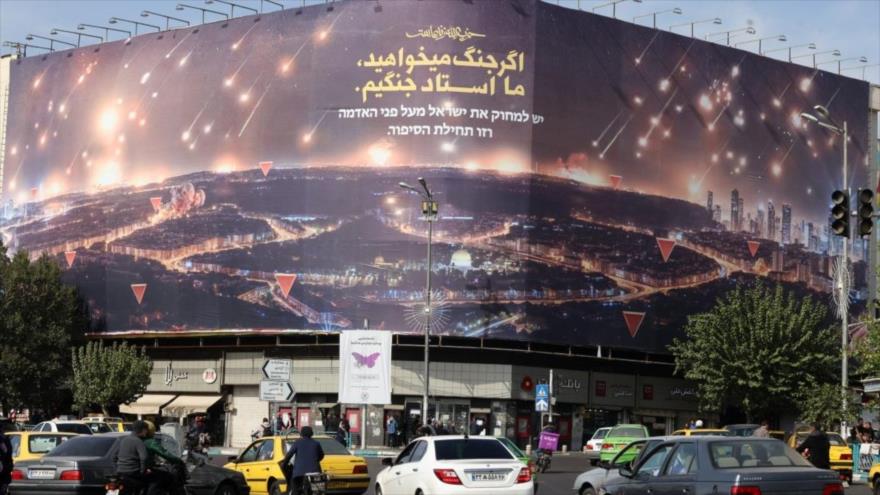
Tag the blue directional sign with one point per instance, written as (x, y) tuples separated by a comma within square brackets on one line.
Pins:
[(542, 397)]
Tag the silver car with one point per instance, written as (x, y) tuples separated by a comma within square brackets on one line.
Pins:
[(592, 480), (712, 465)]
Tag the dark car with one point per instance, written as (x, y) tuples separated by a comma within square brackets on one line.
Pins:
[(713, 465), (83, 464)]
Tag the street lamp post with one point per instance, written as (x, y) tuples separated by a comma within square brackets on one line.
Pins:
[(811, 46), (272, 2), (863, 67), (137, 24), (106, 29), (780, 37), (51, 41), (676, 11), (863, 60), (21, 48), (429, 210), (823, 119), (835, 53), (232, 6), (714, 20), (613, 4), (78, 35), (168, 18), (745, 30), (182, 6)]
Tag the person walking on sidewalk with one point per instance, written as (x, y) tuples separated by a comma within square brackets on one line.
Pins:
[(391, 429), (816, 447)]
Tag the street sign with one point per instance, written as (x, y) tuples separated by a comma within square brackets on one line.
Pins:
[(277, 369), (276, 391), (542, 397)]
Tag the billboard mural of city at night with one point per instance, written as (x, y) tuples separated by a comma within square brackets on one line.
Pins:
[(598, 181)]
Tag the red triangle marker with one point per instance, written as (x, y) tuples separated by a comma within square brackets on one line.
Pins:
[(634, 321), (70, 256), (265, 167), (666, 246), (753, 247), (285, 280), (615, 181), (156, 201), (138, 290)]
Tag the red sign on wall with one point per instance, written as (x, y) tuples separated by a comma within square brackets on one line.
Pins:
[(648, 392), (600, 388)]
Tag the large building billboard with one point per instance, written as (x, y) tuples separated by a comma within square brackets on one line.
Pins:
[(598, 181)]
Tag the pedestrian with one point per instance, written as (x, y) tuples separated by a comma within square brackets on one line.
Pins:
[(762, 431), (816, 447), (262, 431), (474, 428), (342, 433), (286, 424), (6, 462), (131, 458), (391, 430), (306, 455)]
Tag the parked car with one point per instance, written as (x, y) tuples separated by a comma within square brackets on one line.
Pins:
[(591, 481), (742, 430), (594, 444), (64, 426), (454, 464), (702, 465), (619, 437), (703, 431), (27, 445), (97, 427), (83, 464), (115, 424), (874, 478), (260, 465), (840, 453)]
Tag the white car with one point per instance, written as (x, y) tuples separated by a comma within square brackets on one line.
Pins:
[(590, 482), (454, 464), (64, 426), (594, 444)]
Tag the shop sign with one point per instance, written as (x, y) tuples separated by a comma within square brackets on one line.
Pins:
[(682, 393), (171, 376), (209, 376), (619, 391), (570, 384)]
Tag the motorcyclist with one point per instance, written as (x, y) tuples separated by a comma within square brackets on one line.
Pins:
[(306, 455), (161, 481)]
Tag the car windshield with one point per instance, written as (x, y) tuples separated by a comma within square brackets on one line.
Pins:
[(601, 433), (448, 450), (329, 445), (40, 444), (512, 446), (833, 438), (99, 427), (627, 432), (75, 428), (754, 453), (90, 446)]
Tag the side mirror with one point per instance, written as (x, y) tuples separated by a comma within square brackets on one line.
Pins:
[(625, 471), (387, 461)]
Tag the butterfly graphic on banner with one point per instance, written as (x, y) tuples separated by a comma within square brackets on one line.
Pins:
[(369, 361)]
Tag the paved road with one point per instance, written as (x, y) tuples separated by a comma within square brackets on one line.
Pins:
[(559, 479)]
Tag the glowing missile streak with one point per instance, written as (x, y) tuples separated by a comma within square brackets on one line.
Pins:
[(237, 44), (196, 119), (607, 127), (642, 55), (680, 60), (787, 152), (254, 111), (616, 135), (655, 123), (831, 100), (229, 80), (168, 55), (290, 62)]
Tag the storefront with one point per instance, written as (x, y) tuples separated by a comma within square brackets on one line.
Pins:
[(664, 404)]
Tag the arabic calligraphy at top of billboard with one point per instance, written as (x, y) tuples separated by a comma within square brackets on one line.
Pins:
[(598, 181)]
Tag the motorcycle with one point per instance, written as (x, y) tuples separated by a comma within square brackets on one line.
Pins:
[(543, 462), (116, 484)]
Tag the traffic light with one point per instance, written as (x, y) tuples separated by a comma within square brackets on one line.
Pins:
[(866, 212), (840, 213)]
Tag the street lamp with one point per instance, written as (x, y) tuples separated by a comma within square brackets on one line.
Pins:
[(676, 11), (863, 60), (232, 6), (79, 36), (105, 28), (21, 48), (137, 24), (745, 30), (429, 211), (836, 53), (51, 41), (714, 20), (168, 18), (863, 67), (823, 119), (613, 4), (204, 11), (272, 2), (811, 46), (780, 37)]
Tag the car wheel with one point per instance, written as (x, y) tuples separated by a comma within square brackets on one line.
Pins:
[(378, 490), (226, 489), (876, 486), (274, 488), (587, 490)]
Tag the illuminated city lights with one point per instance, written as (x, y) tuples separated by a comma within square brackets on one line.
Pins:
[(108, 174), (638, 154), (380, 153), (448, 147)]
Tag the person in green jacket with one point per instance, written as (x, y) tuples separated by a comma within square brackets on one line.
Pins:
[(163, 481)]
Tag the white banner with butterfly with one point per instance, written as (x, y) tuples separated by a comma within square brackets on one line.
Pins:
[(365, 367)]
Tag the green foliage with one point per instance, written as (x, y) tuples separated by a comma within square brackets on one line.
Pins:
[(868, 352), (108, 376), (822, 404), (757, 349), (40, 318)]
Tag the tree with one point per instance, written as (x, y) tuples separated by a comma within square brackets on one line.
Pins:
[(821, 404), (868, 352), (40, 318), (757, 349), (106, 376)]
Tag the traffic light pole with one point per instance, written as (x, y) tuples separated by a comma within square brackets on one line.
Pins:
[(844, 330)]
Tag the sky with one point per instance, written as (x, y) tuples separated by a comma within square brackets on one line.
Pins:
[(850, 26)]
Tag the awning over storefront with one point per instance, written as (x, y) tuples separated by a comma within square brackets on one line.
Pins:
[(147, 404), (480, 410), (185, 405)]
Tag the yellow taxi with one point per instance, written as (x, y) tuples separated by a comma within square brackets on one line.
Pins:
[(115, 424), (840, 454), (874, 478), (259, 463), (701, 431), (30, 445)]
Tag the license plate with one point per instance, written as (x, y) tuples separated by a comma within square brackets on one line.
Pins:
[(113, 492), (487, 477), (41, 474)]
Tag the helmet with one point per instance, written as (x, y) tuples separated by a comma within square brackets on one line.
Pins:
[(699, 423), (151, 428)]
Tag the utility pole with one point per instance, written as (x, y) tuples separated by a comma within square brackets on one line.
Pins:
[(550, 407)]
